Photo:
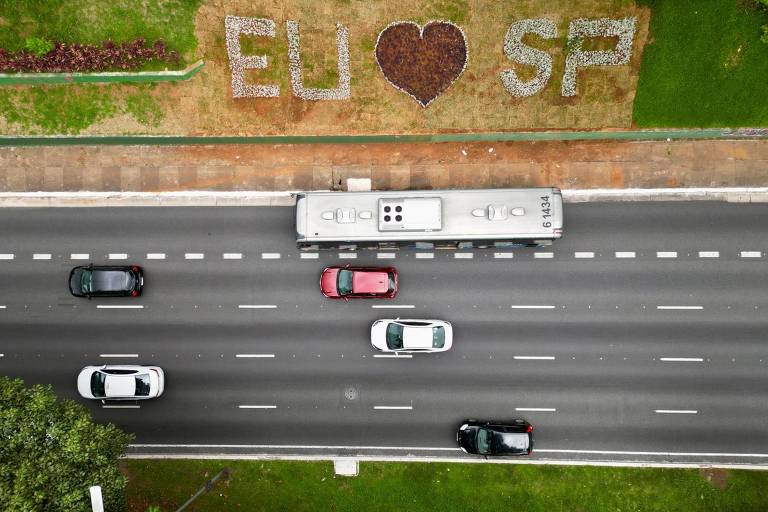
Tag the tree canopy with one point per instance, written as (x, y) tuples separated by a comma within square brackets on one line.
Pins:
[(51, 452)]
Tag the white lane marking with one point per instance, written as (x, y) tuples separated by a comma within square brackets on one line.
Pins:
[(257, 407), (118, 256), (7, 256), (120, 406), (270, 255), (398, 306), (675, 411), (155, 255), (546, 255), (41, 256), (504, 255), (393, 407), (425, 255), (666, 254), (232, 256), (751, 254), (3, 307), (255, 355), (194, 256), (257, 306), (309, 256), (463, 255), (121, 306), (681, 307), (118, 355), (536, 409), (347, 255), (583, 255), (79, 256), (2, 355), (625, 254), (532, 307), (532, 358), (394, 356), (682, 359), (385, 255), (709, 254)]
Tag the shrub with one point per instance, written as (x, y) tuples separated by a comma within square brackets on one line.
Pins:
[(764, 37), (39, 46)]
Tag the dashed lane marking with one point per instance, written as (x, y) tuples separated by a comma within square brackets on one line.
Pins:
[(675, 411), (751, 254), (309, 256), (584, 255), (7, 256), (625, 254), (257, 306), (709, 254), (348, 255), (257, 407), (258, 356), (683, 308), (385, 255), (535, 358), (194, 255), (394, 356), (118, 256), (463, 255), (119, 306), (393, 407), (155, 255), (120, 406), (425, 255), (2, 307), (79, 256), (118, 355), (504, 255), (532, 306), (682, 359), (666, 254), (270, 255), (535, 409), (232, 256), (41, 256), (544, 255), (393, 306)]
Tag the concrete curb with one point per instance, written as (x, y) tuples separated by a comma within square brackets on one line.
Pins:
[(284, 198)]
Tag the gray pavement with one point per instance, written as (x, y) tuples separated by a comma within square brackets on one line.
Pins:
[(613, 354)]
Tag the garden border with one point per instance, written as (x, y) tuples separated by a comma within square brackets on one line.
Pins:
[(103, 78)]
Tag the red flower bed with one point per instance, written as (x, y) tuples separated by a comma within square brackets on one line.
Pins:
[(69, 58)]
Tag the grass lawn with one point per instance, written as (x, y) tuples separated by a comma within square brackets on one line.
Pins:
[(704, 65), (298, 486)]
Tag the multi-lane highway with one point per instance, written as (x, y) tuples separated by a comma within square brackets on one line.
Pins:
[(641, 335)]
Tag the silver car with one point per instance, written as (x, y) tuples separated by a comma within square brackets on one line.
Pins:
[(411, 336), (121, 382)]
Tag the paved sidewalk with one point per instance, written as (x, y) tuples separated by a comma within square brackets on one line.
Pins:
[(578, 165)]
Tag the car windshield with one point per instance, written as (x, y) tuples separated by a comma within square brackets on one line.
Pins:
[(344, 282), (86, 281), (438, 337), (142, 385), (484, 437), (97, 384), (394, 336)]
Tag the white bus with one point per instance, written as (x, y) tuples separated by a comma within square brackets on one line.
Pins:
[(429, 219)]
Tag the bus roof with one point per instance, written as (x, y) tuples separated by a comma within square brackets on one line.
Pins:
[(429, 215)]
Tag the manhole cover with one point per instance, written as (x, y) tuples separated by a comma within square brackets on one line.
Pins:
[(350, 394)]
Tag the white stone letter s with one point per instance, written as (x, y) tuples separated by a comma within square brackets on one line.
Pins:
[(518, 52)]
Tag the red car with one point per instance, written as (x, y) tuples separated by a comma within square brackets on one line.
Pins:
[(359, 282)]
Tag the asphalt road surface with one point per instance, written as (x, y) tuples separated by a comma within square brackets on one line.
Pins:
[(640, 336)]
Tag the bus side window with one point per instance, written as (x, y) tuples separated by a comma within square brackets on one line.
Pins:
[(464, 245), (424, 245)]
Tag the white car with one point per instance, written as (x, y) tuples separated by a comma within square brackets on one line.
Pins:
[(121, 382), (411, 335)]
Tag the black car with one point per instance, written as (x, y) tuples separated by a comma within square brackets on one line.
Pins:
[(495, 438), (106, 281)]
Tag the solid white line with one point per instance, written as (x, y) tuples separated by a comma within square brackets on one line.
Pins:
[(107, 306), (504, 255), (398, 306), (536, 409), (257, 306), (463, 255), (709, 254), (41, 256), (194, 255), (625, 254), (256, 355), (394, 356), (751, 254), (118, 256), (257, 407), (681, 307), (7, 256), (675, 411), (666, 254), (425, 255), (79, 256), (533, 307), (546, 255), (682, 359), (583, 255), (309, 256), (270, 255), (385, 255), (347, 255), (118, 355), (393, 407), (547, 358), (120, 406), (232, 256), (155, 255)]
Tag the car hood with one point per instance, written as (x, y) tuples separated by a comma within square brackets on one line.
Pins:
[(468, 439), (379, 335), (328, 282), (120, 385), (84, 382), (370, 282)]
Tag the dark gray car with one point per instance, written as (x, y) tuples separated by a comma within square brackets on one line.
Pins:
[(496, 438), (106, 281)]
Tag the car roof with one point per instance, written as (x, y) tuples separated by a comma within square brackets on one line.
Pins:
[(120, 385), (417, 337)]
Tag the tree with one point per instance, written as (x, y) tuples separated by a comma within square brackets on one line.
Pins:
[(51, 452)]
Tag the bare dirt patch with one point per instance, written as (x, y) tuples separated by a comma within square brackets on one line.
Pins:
[(716, 477)]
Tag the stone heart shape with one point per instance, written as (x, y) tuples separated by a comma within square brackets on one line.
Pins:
[(422, 62)]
